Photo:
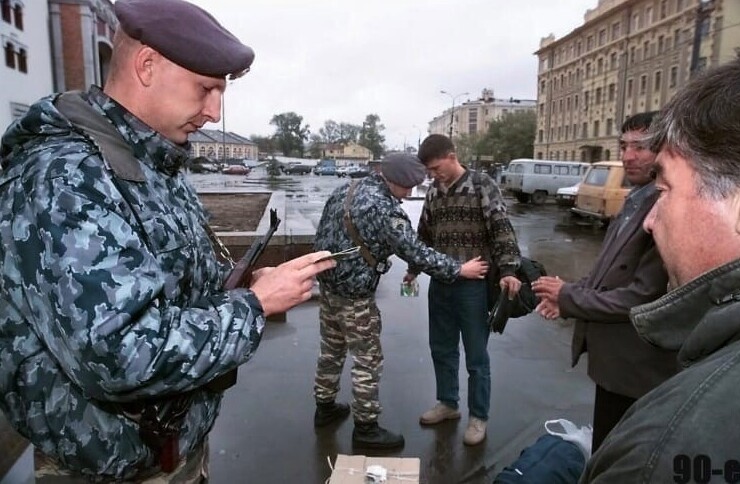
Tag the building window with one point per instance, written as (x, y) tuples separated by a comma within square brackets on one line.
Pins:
[(643, 84), (588, 70), (704, 27), (632, 54), (585, 100), (609, 126), (600, 66), (676, 38), (567, 132), (613, 61), (541, 136), (584, 130), (674, 77), (649, 16), (6, 10), (661, 43), (22, 62), (636, 22), (615, 30), (575, 102), (596, 129), (607, 154), (18, 17), (598, 95), (575, 131), (629, 87), (9, 55), (658, 76), (645, 49), (663, 9), (612, 92), (589, 43), (602, 37), (679, 5), (542, 109)]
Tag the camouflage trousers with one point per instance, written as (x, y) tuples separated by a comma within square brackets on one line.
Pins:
[(192, 469), (354, 325)]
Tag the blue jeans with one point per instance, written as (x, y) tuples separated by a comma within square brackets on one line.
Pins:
[(455, 309)]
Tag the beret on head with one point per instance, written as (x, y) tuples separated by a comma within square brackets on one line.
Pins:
[(403, 169), (186, 35)]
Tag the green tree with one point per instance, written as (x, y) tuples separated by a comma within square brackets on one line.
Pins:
[(316, 146), (349, 133), (510, 137), (334, 132), (265, 144), (371, 136), (290, 134)]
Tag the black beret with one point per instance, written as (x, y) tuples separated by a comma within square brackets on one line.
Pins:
[(185, 34), (402, 169)]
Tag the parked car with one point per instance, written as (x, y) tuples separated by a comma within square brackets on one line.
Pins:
[(342, 171), (602, 192), (566, 196), (535, 180), (297, 169), (236, 170), (326, 170), (357, 171)]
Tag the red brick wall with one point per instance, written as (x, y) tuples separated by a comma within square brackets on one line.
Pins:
[(74, 66)]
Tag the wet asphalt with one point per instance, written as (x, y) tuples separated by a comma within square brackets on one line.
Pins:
[(265, 432)]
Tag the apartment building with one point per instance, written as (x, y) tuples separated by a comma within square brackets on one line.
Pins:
[(629, 56), (474, 116), (25, 74)]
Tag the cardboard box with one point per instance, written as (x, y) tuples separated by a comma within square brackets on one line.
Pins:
[(352, 469)]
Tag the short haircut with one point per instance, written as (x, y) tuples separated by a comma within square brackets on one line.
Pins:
[(639, 122), (701, 124), (434, 147)]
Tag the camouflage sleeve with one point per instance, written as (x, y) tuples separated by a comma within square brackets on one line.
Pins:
[(505, 249), (105, 306), (400, 236)]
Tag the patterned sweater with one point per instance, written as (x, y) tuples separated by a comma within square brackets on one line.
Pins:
[(469, 219)]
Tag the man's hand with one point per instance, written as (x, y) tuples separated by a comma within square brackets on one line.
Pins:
[(511, 285), (548, 309), (474, 269), (547, 288), (289, 284)]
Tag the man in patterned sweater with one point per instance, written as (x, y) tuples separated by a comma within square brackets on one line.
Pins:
[(369, 214), (464, 216)]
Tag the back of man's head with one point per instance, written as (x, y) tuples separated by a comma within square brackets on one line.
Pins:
[(639, 122), (701, 123), (435, 146)]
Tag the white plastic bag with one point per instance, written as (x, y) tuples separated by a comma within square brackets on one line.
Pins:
[(572, 433)]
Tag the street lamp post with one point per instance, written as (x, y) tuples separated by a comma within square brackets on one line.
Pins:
[(452, 111)]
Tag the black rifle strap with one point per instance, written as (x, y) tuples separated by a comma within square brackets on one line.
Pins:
[(352, 230)]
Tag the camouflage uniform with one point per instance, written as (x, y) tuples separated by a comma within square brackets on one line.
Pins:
[(349, 316), (110, 290)]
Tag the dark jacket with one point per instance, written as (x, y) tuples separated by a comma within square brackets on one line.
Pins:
[(627, 273), (694, 413)]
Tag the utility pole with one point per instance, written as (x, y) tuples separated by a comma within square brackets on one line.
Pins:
[(452, 111)]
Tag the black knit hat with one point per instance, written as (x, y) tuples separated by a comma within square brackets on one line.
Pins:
[(185, 34), (402, 169)]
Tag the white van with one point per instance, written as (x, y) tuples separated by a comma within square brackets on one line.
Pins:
[(535, 180)]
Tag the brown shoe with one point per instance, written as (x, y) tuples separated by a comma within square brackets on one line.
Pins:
[(476, 431), (439, 413)]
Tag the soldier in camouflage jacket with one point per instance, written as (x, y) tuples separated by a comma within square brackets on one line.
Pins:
[(111, 291), (348, 313)]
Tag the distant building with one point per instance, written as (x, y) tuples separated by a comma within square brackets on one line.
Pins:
[(51, 46), (219, 146), (26, 69), (629, 56), (474, 116), (346, 151)]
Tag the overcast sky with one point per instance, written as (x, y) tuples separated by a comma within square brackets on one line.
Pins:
[(344, 59)]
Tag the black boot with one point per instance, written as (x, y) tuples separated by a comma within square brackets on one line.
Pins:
[(370, 435), (329, 412)]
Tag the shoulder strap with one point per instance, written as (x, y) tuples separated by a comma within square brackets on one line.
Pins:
[(352, 230), (116, 152)]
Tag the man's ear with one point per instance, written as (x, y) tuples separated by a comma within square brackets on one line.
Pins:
[(144, 64)]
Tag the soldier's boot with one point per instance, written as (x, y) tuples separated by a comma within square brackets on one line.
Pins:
[(370, 435), (329, 412)]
